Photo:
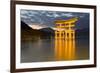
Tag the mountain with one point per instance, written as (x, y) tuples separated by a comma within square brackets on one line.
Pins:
[(24, 26), (48, 30), (82, 33), (27, 30)]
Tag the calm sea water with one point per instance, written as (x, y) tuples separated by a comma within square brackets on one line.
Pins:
[(46, 49)]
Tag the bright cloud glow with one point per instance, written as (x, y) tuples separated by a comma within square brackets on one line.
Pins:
[(68, 14), (36, 26)]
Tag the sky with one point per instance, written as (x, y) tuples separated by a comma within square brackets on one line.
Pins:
[(42, 18)]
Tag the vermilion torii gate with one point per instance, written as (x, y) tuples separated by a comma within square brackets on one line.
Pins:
[(65, 28), (65, 48)]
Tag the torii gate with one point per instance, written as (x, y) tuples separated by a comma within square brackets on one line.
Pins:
[(65, 48), (65, 28)]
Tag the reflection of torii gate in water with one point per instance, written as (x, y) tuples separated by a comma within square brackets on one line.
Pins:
[(65, 39)]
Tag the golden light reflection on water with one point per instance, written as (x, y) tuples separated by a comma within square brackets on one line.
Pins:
[(65, 49)]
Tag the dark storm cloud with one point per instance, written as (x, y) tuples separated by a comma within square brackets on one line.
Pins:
[(48, 17)]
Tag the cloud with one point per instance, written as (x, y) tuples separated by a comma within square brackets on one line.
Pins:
[(25, 16), (31, 12), (23, 11), (56, 15), (67, 14), (37, 26), (47, 17), (61, 14), (52, 14), (30, 16)]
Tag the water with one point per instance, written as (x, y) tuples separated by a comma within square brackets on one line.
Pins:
[(48, 49)]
